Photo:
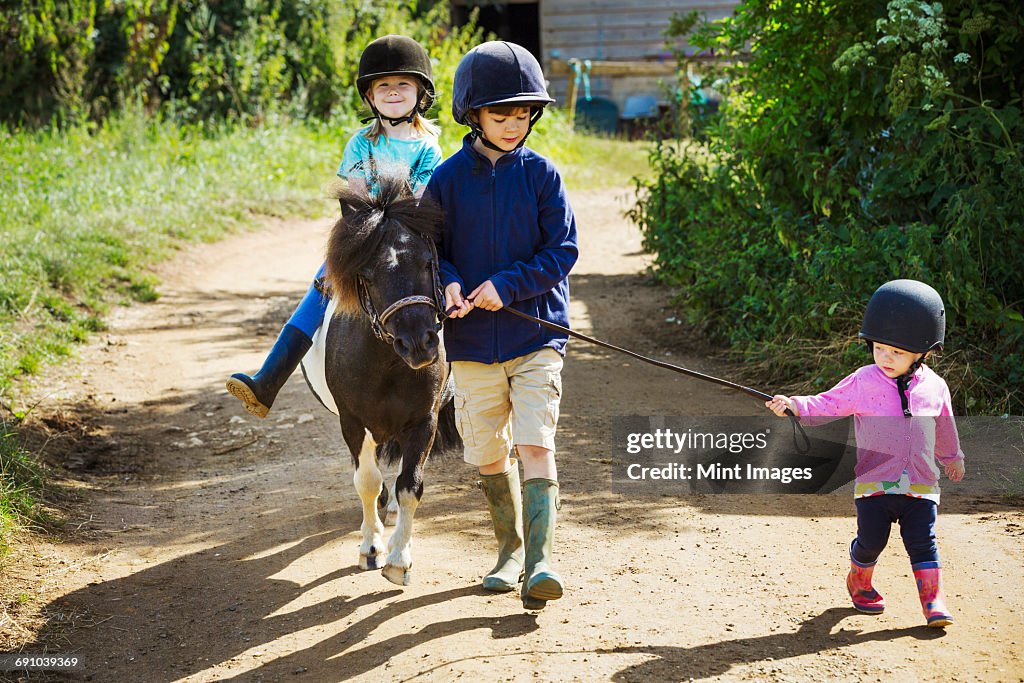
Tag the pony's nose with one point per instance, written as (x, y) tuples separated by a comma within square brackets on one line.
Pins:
[(418, 351), (429, 341)]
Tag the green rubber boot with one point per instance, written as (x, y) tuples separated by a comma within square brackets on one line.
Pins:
[(541, 503), (505, 502)]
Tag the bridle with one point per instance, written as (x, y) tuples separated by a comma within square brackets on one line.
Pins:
[(379, 320)]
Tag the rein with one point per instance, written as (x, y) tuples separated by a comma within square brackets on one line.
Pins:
[(797, 427)]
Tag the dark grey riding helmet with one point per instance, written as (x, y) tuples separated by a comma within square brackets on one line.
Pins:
[(498, 73), (395, 55), (909, 315), (906, 314)]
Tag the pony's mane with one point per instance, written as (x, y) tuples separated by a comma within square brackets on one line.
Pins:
[(366, 225)]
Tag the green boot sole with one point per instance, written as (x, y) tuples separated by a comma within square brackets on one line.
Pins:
[(545, 585)]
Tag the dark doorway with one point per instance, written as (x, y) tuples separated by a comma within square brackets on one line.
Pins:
[(516, 22)]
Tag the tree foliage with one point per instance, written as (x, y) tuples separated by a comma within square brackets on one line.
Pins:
[(858, 142), (203, 59)]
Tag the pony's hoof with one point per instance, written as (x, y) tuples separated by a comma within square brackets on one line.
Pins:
[(369, 561), (397, 575)]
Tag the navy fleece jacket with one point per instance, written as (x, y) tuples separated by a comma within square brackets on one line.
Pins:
[(509, 223)]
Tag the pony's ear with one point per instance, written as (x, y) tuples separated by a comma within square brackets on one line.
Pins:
[(347, 209)]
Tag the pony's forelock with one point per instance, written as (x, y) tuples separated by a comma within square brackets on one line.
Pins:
[(367, 222)]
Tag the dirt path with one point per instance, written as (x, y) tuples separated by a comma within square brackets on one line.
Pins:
[(213, 546)]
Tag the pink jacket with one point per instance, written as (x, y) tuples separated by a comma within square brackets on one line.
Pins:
[(887, 442)]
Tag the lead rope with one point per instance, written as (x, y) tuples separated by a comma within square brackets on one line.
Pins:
[(797, 427)]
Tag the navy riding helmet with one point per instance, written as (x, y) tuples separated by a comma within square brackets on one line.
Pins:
[(498, 73)]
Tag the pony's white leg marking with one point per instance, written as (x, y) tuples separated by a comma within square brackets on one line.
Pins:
[(399, 567), (368, 480), (391, 517)]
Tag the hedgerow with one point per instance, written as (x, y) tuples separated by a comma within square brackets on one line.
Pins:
[(857, 142)]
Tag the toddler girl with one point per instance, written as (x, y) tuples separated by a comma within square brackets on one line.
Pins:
[(903, 423)]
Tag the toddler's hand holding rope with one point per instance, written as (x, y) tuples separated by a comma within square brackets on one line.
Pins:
[(780, 404)]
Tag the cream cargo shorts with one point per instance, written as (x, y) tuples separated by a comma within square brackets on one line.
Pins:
[(498, 405)]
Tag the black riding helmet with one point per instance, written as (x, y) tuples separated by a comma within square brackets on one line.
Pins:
[(395, 55), (498, 73), (909, 315), (906, 314)]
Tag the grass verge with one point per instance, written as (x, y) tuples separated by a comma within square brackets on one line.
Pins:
[(86, 210), (21, 483)]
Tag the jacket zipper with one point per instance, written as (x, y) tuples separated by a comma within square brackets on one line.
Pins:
[(494, 257)]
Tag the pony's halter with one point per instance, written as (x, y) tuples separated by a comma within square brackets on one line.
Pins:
[(378, 321)]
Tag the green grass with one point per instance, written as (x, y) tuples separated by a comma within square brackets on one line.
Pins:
[(86, 210), (21, 481), (588, 161)]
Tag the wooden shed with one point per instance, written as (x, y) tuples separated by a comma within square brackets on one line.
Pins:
[(617, 31)]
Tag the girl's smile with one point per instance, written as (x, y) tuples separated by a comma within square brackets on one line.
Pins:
[(394, 97)]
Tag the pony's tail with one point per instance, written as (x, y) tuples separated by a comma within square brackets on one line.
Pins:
[(389, 452), (447, 437)]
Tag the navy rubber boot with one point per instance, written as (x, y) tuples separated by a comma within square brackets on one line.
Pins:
[(259, 391)]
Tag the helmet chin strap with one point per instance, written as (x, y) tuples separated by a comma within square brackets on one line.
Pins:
[(479, 132), (408, 118), (903, 381)]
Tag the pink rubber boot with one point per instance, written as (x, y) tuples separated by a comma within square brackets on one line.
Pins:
[(929, 589), (858, 582)]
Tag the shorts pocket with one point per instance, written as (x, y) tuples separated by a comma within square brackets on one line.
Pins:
[(462, 419), (553, 388)]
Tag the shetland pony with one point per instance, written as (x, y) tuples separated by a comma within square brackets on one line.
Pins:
[(380, 359)]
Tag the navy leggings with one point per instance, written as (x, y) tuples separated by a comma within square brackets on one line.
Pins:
[(310, 312), (875, 517)]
